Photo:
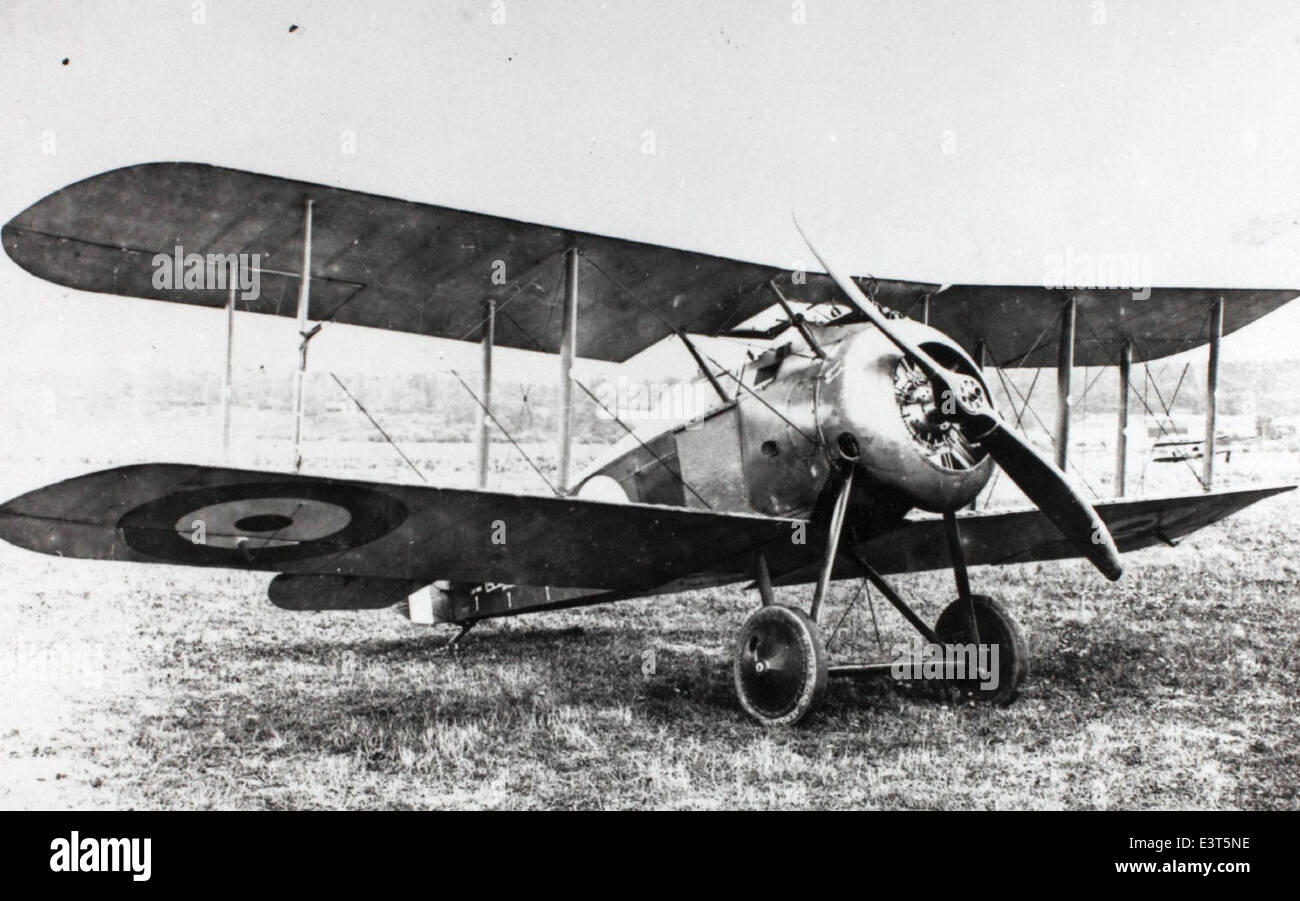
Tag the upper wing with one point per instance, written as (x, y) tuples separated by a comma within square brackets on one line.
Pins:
[(1019, 325), (205, 516), (1025, 536), (413, 267), (377, 261)]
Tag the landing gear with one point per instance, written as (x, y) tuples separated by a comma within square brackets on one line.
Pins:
[(780, 666), (994, 631)]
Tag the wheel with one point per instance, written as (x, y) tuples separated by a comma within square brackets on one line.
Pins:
[(997, 628), (780, 666)]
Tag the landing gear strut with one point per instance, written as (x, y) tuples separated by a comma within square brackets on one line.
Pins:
[(781, 667)]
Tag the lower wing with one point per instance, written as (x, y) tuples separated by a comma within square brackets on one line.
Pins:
[(995, 539), (368, 544), (306, 525)]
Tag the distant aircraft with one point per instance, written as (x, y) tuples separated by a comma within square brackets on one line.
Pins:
[(1170, 444), (817, 463)]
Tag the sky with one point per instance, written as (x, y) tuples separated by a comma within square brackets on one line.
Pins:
[(944, 142)]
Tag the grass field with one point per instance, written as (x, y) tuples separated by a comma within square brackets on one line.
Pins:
[(166, 687)]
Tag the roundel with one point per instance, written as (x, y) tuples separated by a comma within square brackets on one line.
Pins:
[(263, 522)]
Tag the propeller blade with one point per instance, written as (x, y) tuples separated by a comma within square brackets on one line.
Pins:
[(1041, 481), (1059, 500), (868, 310)]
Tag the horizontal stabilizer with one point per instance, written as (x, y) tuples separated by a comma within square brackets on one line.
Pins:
[(313, 591)]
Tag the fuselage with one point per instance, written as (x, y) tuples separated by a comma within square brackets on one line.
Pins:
[(772, 448)]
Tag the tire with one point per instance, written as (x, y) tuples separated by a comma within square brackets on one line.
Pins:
[(996, 627), (780, 665)]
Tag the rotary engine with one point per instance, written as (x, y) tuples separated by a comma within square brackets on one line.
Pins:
[(889, 409)]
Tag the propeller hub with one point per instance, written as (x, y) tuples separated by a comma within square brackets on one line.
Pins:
[(932, 417)]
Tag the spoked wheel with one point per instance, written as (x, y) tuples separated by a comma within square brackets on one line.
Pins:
[(996, 628), (780, 667)]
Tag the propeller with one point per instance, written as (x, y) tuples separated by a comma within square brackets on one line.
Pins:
[(1040, 480)]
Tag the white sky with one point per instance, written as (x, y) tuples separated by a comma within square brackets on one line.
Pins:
[(1167, 129)]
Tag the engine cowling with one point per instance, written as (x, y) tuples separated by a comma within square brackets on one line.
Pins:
[(880, 405)]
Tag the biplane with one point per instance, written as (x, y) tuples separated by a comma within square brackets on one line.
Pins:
[(851, 447), (1184, 451), (1172, 441)]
